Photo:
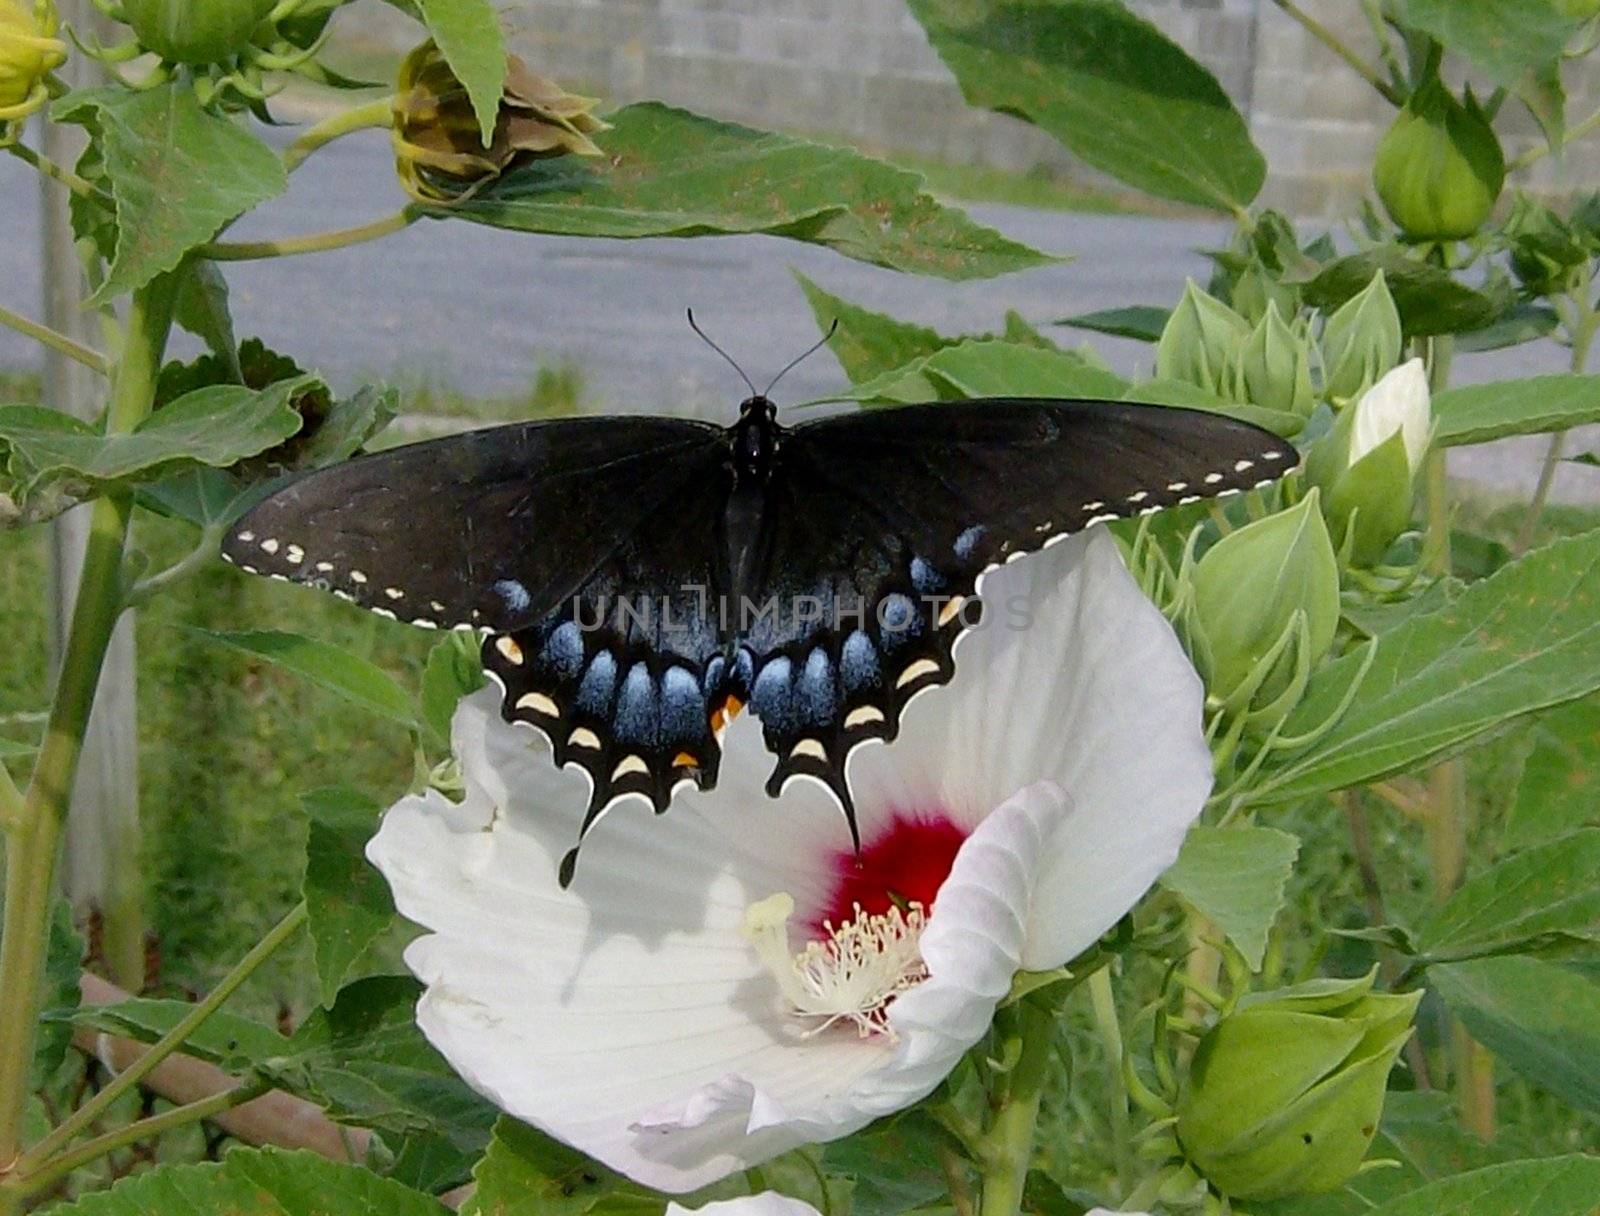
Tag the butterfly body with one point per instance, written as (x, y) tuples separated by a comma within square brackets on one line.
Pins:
[(642, 580)]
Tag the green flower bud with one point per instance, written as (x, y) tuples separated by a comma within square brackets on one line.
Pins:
[(1367, 465), (1266, 601), (1439, 168), (1275, 365), (439, 151), (29, 51), (1257, 287), (1201, 342), (1284, 1094), (1361, 341), (195, 31)]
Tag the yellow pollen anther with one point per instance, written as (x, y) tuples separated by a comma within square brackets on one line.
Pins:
[(852, 973)]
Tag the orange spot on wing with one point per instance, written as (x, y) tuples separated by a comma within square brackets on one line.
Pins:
[(725, 713), (685, 760)]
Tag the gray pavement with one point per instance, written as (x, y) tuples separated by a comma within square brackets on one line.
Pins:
[(478, 310)]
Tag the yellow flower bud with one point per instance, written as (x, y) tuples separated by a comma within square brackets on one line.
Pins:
[(29, 51)]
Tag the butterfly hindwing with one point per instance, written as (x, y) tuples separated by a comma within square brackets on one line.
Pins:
[(622, 676)]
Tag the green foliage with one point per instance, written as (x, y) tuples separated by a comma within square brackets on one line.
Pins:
[(1559, 789), (212, 426), (1477, 413), (867, 344), (347, 903), (176, 173), (1556, 1186), (1443, 678), (668, 172), (259, 1182), (330, 667), (1108, 85), (1541, 1018), (1236, 878)]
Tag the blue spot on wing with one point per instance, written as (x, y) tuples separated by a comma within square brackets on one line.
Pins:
[(818, 698), (514, 594), (898, 620), (599, 682), (925, 578), (858, 662), (683, 705), (772, 695), (967, 543), (638, 717), (563, 652)]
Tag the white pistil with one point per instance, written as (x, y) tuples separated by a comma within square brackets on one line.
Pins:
[(852, 973)]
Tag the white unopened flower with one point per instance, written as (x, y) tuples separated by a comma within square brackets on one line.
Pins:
[(766, 1203), (722, 985), (1398, 402)]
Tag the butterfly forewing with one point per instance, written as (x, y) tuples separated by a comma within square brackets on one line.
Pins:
[(489, 529)]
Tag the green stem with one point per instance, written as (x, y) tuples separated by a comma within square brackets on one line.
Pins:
[(1380, 32), (198, 558), (33, 842), (1110, 1030), (41, 1154), (1577, 131), (92, 359), (48, 167), (357, 118), (1582, 336), (1335, 44), (1027, 1033), (142, 1129), (248, 251)]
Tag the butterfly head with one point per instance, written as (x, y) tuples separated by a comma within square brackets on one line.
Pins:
[(760, 407)]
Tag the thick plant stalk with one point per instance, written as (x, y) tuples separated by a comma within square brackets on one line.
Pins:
[(33, 842), (1026, 1034)]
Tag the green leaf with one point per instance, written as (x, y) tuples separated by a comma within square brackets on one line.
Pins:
[(257, 1182), (202, 309), (1524, 901), (1559, 790), (1236, 877), (210, 426), (347, 901), (224, 1038), (62, 967), (340, 672), (467, 33), (1442, 679), (364, 1061), (867, 343), (1142, 322), (177, 175), (987, 367), (1478, 413), (1507, 39), (1428, 298), (453, 671), (1539, 1017), (668, 172), (526, 1173), (893, 1163), (1550, 1186), (1107, 84), (1524, 323)]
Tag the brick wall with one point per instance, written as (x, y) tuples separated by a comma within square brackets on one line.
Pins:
[(862, 70)]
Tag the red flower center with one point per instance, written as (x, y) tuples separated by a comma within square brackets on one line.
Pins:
[(906, 863)]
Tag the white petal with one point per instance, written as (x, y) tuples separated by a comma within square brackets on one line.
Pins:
[(1075, 678), (1397, 402), (767, 1203), (628, 1015)]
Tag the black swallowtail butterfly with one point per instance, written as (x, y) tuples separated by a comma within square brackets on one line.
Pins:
[(640, 580)]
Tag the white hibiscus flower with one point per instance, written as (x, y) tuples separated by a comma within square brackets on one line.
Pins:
[(729, 982)]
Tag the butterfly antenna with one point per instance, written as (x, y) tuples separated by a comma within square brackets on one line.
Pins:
[(721, 352), (803, 355)]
